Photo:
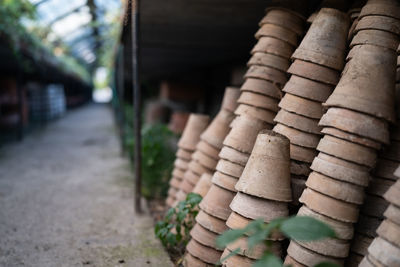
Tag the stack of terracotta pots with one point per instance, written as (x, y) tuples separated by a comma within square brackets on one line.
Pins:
[(205, 158), (186, 147), (354, 127), (263, 192), (385, 248), (315, 72)]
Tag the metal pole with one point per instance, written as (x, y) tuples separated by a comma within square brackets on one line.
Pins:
[(135, 27)]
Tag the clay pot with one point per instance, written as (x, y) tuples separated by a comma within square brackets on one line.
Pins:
[(257, 251), (170, 201), (351, 137), (392, 195), (298, 122), (205, 160), (355, 90), (292, 262), (271, 30), (344, 231), (381, 9), (267, 173), (298, 186), (266, 73), (254, 207), (243, 136), (208, 149), (333, 208), (375, 37), (325, 41), (366, 262), (393, 214), (269, 60), (284, 18), (384, 252), (298, 137), (259, 101), (314, 72), (381, 23), (307, 88), (390, 231), (218, 129), (206, 254), (181, 164), (204, 236), (192, 177), (262, 87), (180, 196), (225, 181), (230, 97), (347, 150), (236, 260), (329, 247), (211, 223), (186, 187), (261, 114), (301, 106), (367, 225), (216, 202), (302, 154), (273, 46), (234, 156), (189, 260), (308, 257), (172, 191), (374, 206), (229, 168), (347, 192), (379, 187), (356, 123), (178, 173), (203, 185), (175, 182), (184, 154), (300, 168), (195, 125), (197, 168)]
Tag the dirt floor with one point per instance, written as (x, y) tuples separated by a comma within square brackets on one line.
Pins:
[(66, 198)]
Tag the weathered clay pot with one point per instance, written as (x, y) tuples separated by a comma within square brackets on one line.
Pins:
[(308, 257), (298, 122), (261, 114), (284, 18), (216, 202), (273, 46), (175, 182), (211, 223), (352, 29), (172, 191), (255, 208), (375, 37), (303, 154), (204, 236), (271, 30), (186, 187), (300, 168), (314, 72), (335, 188), (390, 231), (298, 186), (262, 87), (260, 101), (267, 172), (366, 262), (218, 128), (393, 214), (229, 168), (305, 107), (236, 260), (197, 168), (234, 156), (195, 125), (170, 201), (384, 252), (269, 60), (325, 41), (356, 123), (307, 88), (351, 137), (328, 206), (257, 251), (378, 186), (205, 160), (206, 254), (203, 185), (298, 137), (268, 74), (243, 136), (225, 181), (230, 97), (184, 154), (181, 164), (208, 149), (389, 9), (329, 247), (189, 261), (392, 195), (180, 196), (374, 206), (178, 173), (379, 23), (192, 177), (355, 90), (347, 150), (292, 262)]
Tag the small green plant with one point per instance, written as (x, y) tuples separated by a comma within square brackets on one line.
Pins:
[(174, 230), (300, 228)]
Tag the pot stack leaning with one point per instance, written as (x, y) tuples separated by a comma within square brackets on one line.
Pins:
[(196, 124), (355, 126), (315, 71), (263, 192)]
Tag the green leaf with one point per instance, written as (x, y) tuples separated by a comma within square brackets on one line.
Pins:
[(305, 228), (232, 253), (256, 238), (327, 264), (229, 237), (193, 199), (268, 260)]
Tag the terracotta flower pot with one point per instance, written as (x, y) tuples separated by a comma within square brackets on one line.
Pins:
[(225, 181), (243, 136), (180, 196), (328, 206), (347, 150), (259, 101), (261, 114), (218, 128), (314, 72), (269, 60), (308, 257), (267, 173), (392, 195), (301, 106), (175, 182), (262, 87), (197, 168), (292, 262), (178, 173), (234, 156), (255, 208), (211, 223), (229, 168), (375, 37), (388, 9), (204, 236), (205, 160), (302, 154), (192, 177), (170, 201), (189, 260), (236, 260), (195, 125), (325, 41), (273, 46), (172, 191), (356, 123), (284, 18), (307, 88), (297, 137), (271, 30), (257, 251), (329, 247), (204, 253), (181, 164), (230, 97), (393, 214), (381, 23), (186, 186), (351, 137), (216, 202), (268, 74), (299, 168), (356, 91), (384, 252), (298, 122), (203, 185), (184, 154), (390, 231), (208, 149)]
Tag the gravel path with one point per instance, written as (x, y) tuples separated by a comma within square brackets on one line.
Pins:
[(66, 199)]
